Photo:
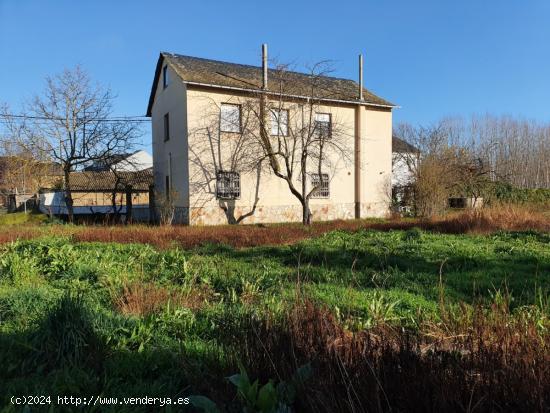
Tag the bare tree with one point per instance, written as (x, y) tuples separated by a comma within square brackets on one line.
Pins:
[(295, 139), (443, 167), (20, 171), (69, 123), (213, 153), (302, 141)]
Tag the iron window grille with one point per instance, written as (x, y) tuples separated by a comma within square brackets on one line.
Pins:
[(228, 185), (322, 184)]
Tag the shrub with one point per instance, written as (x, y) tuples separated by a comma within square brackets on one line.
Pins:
[(477, 358), (413, 234), (66, 335), (504, 192)]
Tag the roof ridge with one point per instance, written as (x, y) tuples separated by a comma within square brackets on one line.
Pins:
[(210, 72), (252, 66)]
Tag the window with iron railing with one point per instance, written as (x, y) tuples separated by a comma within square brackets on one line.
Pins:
[(228, 185), (322, 183)]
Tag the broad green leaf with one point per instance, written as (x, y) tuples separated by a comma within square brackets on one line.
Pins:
[(204, 403)]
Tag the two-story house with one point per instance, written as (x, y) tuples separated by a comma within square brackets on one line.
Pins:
[(204, 143)]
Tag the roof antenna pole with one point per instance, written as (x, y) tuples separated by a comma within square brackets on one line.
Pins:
[(264, 65), (360, 77)]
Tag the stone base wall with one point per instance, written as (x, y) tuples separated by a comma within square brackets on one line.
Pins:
[(180, 215), (375, 210), (214, 215)]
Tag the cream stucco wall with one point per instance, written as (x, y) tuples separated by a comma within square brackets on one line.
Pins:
[(193, 154), (170, 158), (376, 161)]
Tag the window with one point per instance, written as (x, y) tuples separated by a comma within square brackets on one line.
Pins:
[(228, 185), (165, 77), (279, 122), (322, 182), (323, 125), (230, 119), (166, 127), (167, 187)]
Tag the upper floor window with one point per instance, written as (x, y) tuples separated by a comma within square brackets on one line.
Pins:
[(165, 77), (166, 127), (230, 118), (323, 124), (279, 122), (322, 184), (228, 185)]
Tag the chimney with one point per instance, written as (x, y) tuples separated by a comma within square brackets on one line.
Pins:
[(264, 65), (360, 77)]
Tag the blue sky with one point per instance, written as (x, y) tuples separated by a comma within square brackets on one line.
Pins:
[(434, 58)]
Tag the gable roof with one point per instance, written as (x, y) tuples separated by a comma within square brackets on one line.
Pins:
[(105, 164), (107, 181), (122, 160), (215, 73), (401, 146)]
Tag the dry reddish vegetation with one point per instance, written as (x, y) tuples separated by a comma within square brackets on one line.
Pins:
[(12, 234), (480, 361), (482, 221), (141, 298)]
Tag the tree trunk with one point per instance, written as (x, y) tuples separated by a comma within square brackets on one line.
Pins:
[(306, 213), (115, 216), (152, 206), (128, 205), (68, 195)]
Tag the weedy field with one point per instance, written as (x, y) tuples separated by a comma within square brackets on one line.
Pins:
[(392, 320)]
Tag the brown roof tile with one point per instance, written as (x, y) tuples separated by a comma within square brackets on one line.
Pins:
[(232, 75), (401, 146), (106, 181)]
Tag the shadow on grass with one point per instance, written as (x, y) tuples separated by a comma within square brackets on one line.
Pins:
[(466, 276)]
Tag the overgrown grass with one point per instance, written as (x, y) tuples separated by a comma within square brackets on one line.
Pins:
[(20, 218), (390, 320), (487, 220)]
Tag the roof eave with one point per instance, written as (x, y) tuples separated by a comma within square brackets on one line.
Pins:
[(154, 85), (349, 102), (162, 57)]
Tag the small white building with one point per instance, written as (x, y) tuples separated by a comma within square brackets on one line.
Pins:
[(405, 160), (128, 162)]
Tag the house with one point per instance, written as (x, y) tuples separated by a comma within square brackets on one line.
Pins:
[(20, 179), (127, 162), (194, 166), (102, 193), (105, 188), (405, 159)]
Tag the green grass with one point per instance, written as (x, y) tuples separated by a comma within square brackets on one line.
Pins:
[(19, 218), (61, 331)]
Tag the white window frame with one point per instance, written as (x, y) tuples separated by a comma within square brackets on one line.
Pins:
[(279, 128), (230, 118), (324, 190), (318, 122)]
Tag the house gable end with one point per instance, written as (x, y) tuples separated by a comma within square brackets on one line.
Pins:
[(162, 60)]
